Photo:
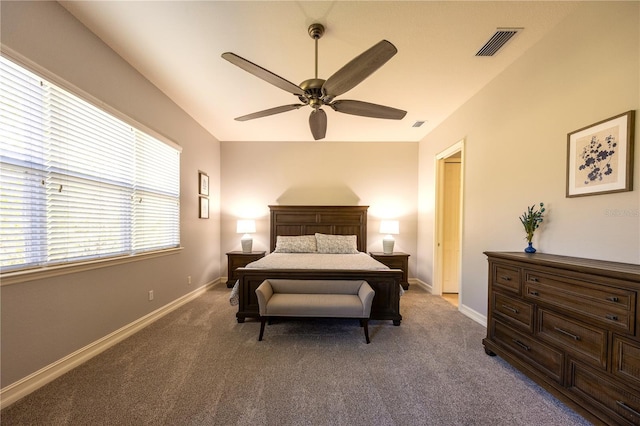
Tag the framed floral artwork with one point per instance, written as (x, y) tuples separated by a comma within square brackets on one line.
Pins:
[(600, 157)]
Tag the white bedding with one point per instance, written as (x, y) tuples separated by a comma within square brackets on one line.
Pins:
[(360, 261)]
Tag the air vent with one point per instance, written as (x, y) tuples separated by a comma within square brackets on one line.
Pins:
[(418, 124), (499, 39)]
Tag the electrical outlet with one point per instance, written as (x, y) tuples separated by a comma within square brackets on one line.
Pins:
[(150, 294), (189, 279)]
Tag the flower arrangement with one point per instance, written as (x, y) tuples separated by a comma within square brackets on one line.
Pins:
[(531, 220)]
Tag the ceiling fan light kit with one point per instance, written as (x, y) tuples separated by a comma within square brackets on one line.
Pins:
[(316, 92)]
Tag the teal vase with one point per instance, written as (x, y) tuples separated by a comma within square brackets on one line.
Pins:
[(530, 248)]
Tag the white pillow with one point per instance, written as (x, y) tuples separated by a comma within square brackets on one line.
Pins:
[(295, 244), (337, 244)]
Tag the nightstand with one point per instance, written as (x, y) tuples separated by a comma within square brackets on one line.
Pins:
[(395, 260), (239, 259)]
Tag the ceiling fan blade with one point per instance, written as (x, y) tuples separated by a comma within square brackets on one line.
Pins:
[(318, 123), (367, 109), (359, 68), (270, 111), (262, 73)]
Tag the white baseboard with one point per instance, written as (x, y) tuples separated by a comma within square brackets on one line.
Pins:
[(474, 315), (465, 310), (425, 286), (13, 392)]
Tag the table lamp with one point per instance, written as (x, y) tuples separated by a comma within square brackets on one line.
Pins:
[(246, 227), (389, 228)]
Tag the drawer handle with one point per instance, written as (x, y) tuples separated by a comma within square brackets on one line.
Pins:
[(629, 409), (533, 293), (522, 345), (612, 298), (611, 317), (506, 278), (534, 279), (566, 333), (510, 308)]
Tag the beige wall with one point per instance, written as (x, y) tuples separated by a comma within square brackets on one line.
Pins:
[(383, 176), (515, 133), (45, 320)]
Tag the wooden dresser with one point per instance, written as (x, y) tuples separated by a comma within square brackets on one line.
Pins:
[(571, 325)]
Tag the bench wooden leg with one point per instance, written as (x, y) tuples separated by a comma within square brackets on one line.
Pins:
[(263, 321), (366, 330)]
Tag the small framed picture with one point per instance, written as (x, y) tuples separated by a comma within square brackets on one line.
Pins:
[(203, 181), (204, 208), (600, 157)]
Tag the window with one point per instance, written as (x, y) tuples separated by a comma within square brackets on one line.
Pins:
[(76, 183)]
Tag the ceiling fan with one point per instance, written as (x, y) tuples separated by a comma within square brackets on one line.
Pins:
[(316, 92)]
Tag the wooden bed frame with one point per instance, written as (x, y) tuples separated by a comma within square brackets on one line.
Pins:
[(335, 220)]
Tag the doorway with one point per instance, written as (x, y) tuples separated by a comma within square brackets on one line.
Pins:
[(449, 187)]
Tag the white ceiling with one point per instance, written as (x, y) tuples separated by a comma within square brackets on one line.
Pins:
[(177, 46)]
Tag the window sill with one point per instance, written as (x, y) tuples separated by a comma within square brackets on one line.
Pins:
[(26, 275)]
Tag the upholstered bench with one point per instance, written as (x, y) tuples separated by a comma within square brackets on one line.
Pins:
[(316, 299)]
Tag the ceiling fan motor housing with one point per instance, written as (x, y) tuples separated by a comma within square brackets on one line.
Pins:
[(313, 92)]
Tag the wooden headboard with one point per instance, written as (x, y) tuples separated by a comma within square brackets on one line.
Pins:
[(307, 220)]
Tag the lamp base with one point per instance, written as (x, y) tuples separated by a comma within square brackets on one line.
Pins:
[(246, 245), (387, 246)]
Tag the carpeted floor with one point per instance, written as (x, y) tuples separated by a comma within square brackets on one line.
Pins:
[(198, 366)]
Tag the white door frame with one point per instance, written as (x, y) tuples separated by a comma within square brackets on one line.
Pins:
[(438, 222)]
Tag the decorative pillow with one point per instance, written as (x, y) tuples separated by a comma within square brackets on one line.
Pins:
[(337, 244), (295, 244)]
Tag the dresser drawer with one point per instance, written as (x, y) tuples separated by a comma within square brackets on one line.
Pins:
[(506, 278), (626, 361), (546, 358), (586, 342), (617, 401), (611, 307), (514, 312)]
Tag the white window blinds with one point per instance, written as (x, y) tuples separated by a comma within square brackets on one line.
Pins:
[(77, 183)]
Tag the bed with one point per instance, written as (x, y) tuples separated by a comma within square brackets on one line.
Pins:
[(288, 221)]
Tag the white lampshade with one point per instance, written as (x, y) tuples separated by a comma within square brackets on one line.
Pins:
[(389, 227), (246, 227)]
